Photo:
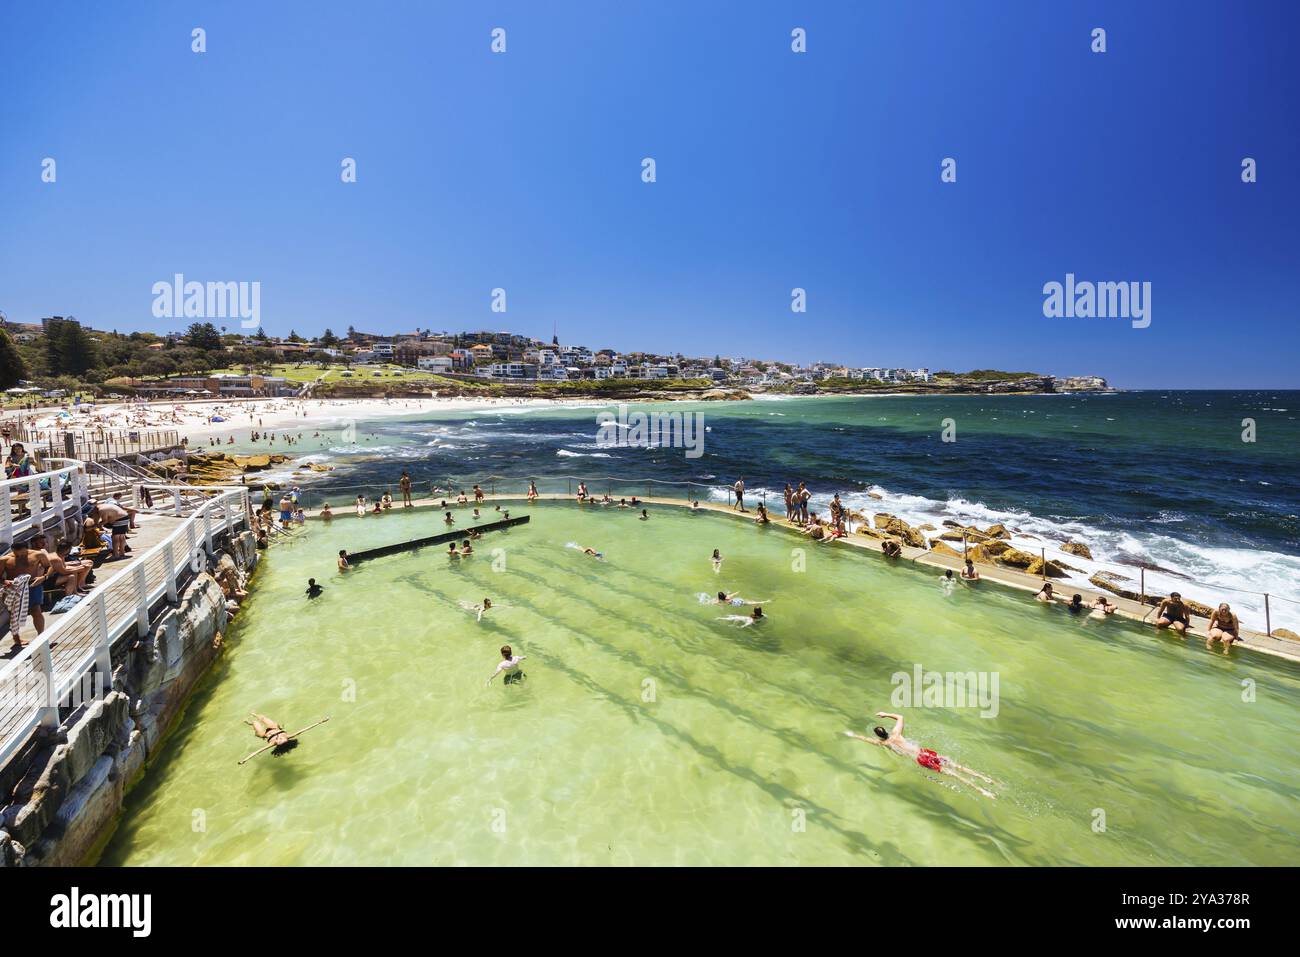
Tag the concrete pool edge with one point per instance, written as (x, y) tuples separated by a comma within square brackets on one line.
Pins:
[(1000, 575)]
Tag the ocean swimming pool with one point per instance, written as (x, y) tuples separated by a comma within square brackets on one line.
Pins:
[(650, 732)]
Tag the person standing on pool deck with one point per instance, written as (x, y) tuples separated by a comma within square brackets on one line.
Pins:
[(940, 764), (510, 665), (404, 483), (739, 488)]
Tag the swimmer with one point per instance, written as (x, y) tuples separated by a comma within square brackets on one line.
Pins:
[(587, 551), (1075, 605), (753, 618), (894, 741), (644, 515), (313, 590), (510, 665), (948, 582), (277, 741), (479, 610), (1101, 608), (717, 561), (343, 560), (1045, 593), (970, 573), (452, 553), (466, 548), (735, 599), (449, 520)]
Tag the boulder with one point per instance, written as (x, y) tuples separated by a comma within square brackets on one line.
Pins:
[(908, 534), (1077, 548), (1015, 558), (882, 519), (253, 463), (939, 548), (997, 531), (1286, 633), (952, 536), (1112, 582), (1049, 570), (1198, 609), (927, 527), (997, 547)]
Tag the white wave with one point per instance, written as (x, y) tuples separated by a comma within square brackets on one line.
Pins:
[(565, 453)]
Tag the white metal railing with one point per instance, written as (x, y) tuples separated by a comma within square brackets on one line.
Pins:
[(23, 508), (76, 649)]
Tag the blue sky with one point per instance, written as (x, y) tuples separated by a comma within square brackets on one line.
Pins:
[(775, 170)]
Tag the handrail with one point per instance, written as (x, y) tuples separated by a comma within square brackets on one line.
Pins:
[(66, 487), (77, 647)]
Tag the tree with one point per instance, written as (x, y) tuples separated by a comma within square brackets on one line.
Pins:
[(328, 340), (68, 349), (203, 336), (260, 335), (12, 366)]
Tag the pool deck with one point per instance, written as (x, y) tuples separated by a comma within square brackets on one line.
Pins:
[(1254, 641)]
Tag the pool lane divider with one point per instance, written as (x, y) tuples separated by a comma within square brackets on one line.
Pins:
[(399, 547)]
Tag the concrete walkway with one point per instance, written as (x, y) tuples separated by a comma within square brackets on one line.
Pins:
[(1254, 641)]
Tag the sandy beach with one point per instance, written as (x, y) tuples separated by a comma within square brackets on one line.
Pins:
[(201, 421)]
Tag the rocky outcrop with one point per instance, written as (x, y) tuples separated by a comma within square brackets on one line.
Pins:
[(997, 531), (892, 525), (940, 548), (75, 780), (1048, 569), (1077, 548), (1116, 584), (1286, 633)]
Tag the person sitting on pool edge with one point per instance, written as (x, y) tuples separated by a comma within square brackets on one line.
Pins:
[(1224, 627), (1172, 613)]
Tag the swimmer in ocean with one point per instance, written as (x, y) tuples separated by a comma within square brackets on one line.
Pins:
[(510, 665), (940, 764)]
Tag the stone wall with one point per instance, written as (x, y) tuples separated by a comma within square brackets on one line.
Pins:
[(75, 782)]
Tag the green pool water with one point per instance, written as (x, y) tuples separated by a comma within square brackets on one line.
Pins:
[(649, 732)]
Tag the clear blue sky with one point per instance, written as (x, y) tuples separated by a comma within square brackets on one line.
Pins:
[(775, 170)]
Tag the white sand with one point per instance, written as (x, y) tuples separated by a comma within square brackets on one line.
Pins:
[(193, 420)]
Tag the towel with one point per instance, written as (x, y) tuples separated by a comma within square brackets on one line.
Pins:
[(15, 599)]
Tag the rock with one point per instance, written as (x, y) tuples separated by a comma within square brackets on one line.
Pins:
[(1077, 548), (1110, 581), (927, 527), (907, 533), (996, 547), (1286, 633), (1053, 570), (1198, 609), (871, 532), (876, 495), (253, 463), (997, 531), (939, 548), (319, 467), (1015, 558), (883, 519)]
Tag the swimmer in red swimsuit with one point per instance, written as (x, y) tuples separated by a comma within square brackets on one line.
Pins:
[(931, 760)]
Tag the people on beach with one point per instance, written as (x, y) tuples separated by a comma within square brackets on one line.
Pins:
[(509, 665), (894, 741), (1172, 613), (1224, 627)]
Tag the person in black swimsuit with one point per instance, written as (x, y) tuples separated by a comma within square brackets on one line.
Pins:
[(1172, 613)]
